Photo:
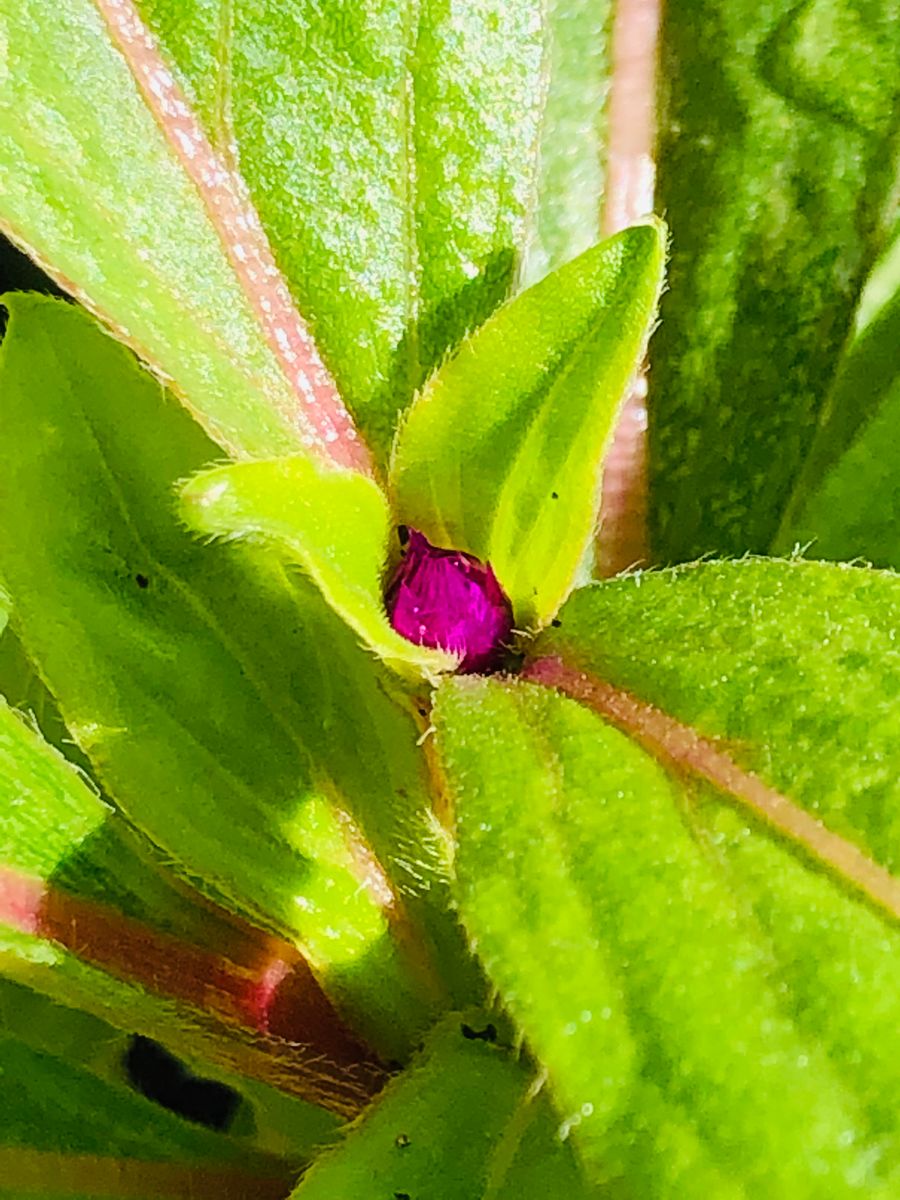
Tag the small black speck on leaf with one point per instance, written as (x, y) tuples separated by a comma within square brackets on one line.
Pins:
[(401, 1141), (554, 495), (401, 1196), (141, 580), (556, 623), (488, 1034)]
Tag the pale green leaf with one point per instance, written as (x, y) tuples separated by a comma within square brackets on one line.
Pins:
[(230, 714), (733, 1087), (501, 453), (334, 524), (569, 188), (82, 905), (392, 155), (777, 165), (451, 1127)]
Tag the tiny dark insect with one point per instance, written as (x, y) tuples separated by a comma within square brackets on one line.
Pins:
[(554, 495), (141, 580), (488, 1034), (401, 1141), (556, 623), (401, 1196)]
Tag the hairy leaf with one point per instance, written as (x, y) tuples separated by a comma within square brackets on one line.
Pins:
[(63, 1088), (793, 665), (128, 209), (500, 455), (777, 161), (88, 917), (203, 687), (335, 524), (733, 1087), (450, 1127), (391, 151)]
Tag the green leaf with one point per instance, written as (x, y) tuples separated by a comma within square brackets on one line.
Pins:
[(776, 167), (450, 1127), (570, 174), (847, 501), (335, 524), (500, 455), (733, 1088), (90, 918), (99, 187), (793, 665), (230, 714), (391, 151), (62, 1087), (391, 155), (73, 1125)]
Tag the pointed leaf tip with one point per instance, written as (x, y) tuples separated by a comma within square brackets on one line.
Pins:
[(501, 453)]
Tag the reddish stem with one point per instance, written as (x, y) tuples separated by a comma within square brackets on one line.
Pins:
[(629, 196), (252, 981)]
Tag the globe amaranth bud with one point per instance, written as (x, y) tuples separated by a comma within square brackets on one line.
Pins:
[(450, 601)]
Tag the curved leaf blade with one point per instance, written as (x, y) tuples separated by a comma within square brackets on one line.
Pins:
[(846, 503), (791, 666), (450, 1127), (501, 453), (334, 524)]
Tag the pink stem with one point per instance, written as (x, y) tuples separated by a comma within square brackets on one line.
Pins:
[(683, 748), (629, 196), (325, 422)]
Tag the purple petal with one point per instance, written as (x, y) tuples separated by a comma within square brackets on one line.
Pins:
[(450, 601)]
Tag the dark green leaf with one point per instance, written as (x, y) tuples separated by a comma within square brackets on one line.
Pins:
[(501, 453), (63, 1088), (777, 159), (847, 501)]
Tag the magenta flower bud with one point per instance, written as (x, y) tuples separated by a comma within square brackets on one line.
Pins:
[(449, 601)]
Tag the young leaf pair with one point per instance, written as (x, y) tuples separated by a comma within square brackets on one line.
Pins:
[(499, 456)]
